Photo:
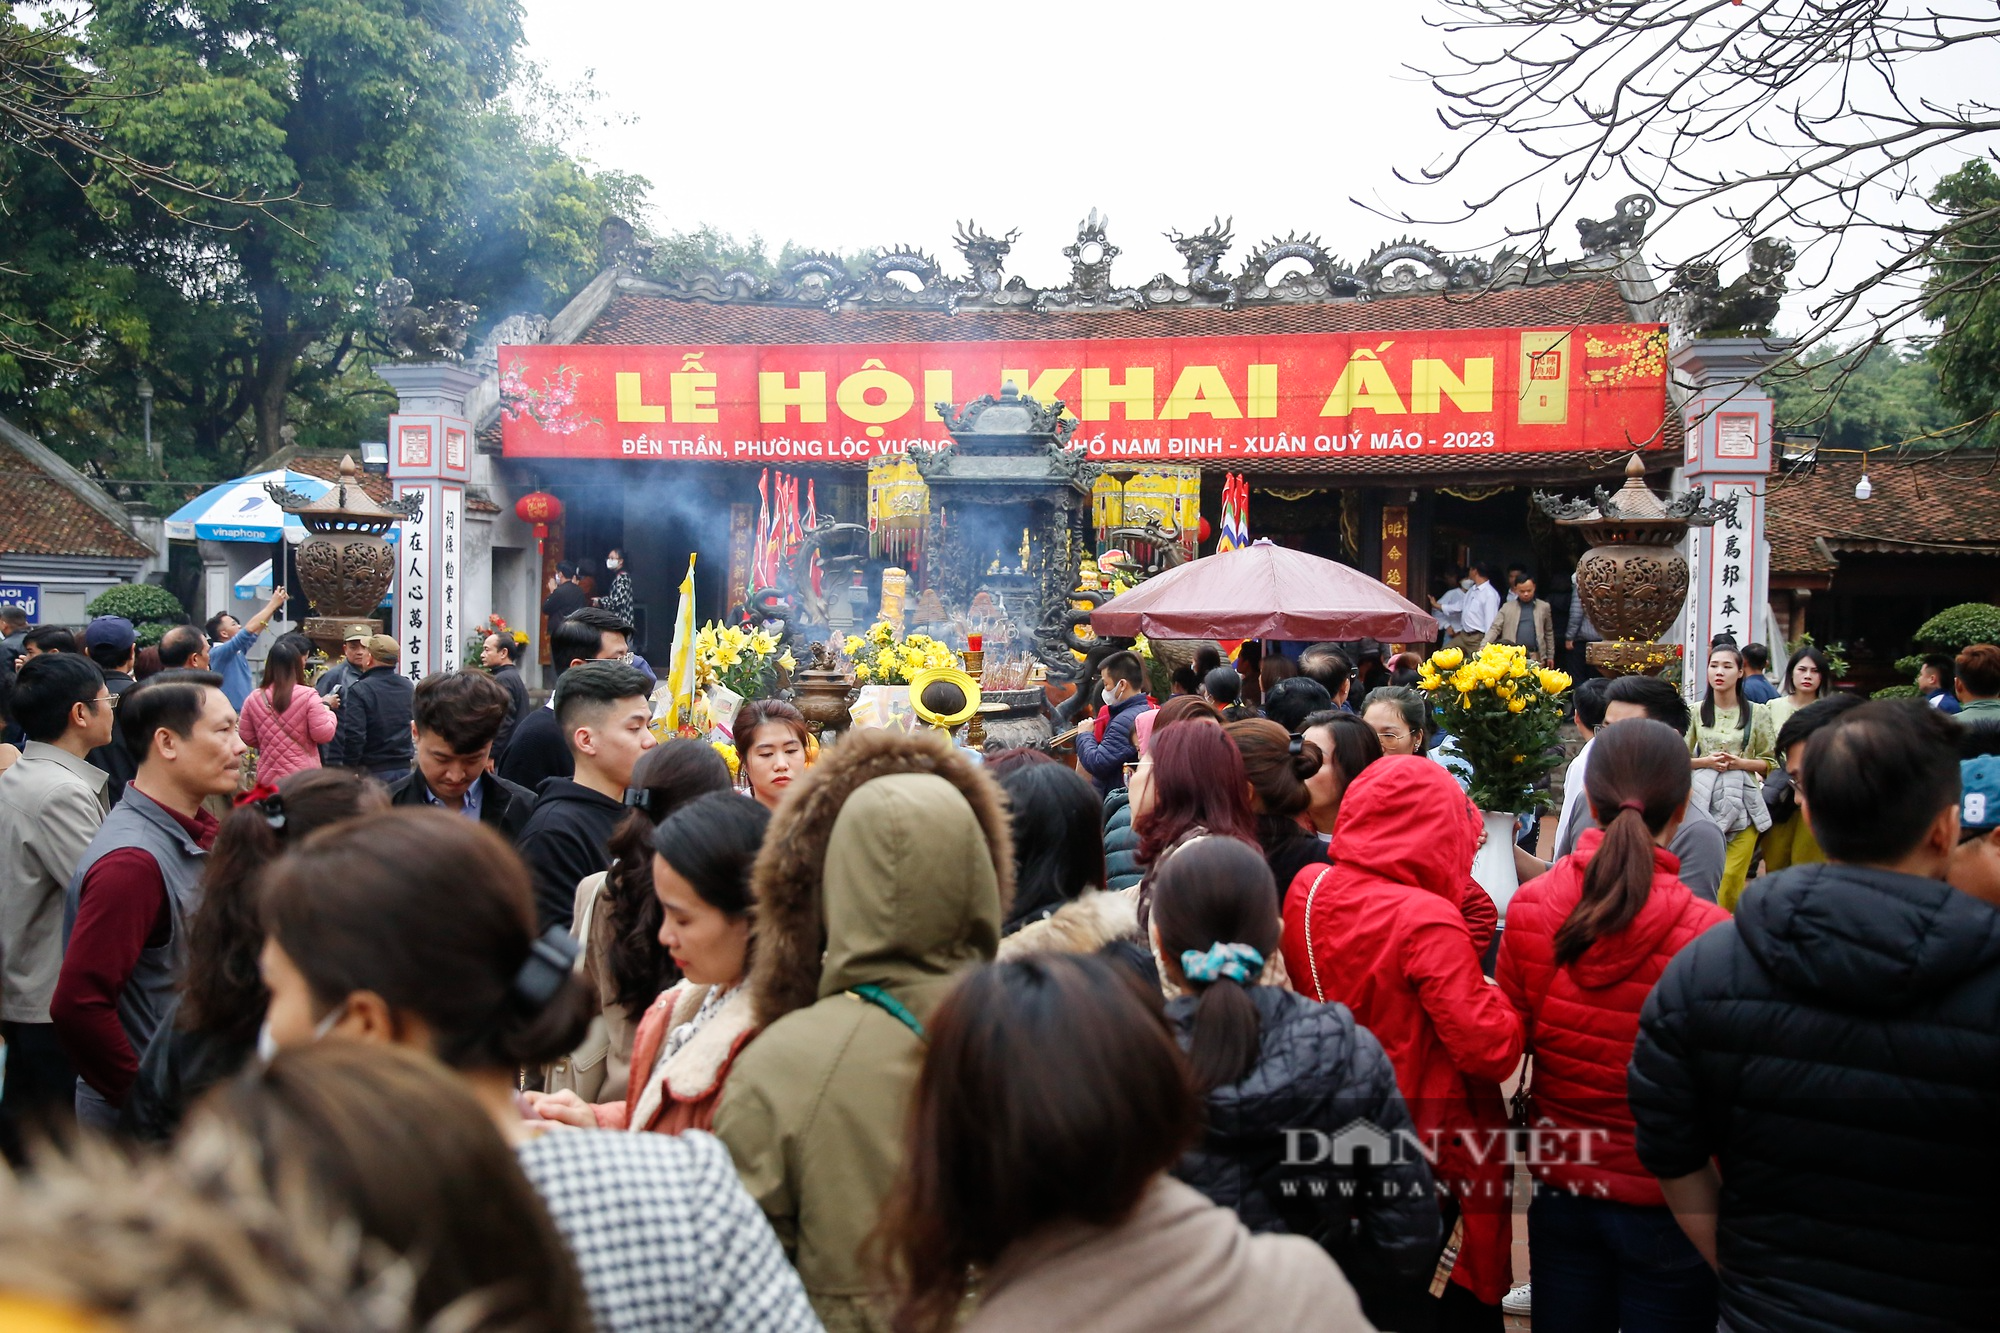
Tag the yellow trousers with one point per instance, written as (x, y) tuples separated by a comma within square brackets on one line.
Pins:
[(1790, 842), (1737, 856)]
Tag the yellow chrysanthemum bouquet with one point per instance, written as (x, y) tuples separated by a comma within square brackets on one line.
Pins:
[(1504, 713), (880, 657), (743, 661)]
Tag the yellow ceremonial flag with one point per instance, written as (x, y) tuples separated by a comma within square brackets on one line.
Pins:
[(681, 666)]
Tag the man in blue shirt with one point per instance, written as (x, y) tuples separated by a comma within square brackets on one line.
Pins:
[(229, 642), (1757, 686)]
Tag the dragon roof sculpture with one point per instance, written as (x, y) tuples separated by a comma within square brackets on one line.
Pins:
[(1292, 269)]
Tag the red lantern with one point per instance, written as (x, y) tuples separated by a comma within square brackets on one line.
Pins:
[(1202, 535), (541, 509)]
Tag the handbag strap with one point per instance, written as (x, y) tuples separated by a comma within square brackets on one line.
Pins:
[(1312, 954), (889, 1004)]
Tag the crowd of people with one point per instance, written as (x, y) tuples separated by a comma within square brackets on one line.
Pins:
[(446, 1010)]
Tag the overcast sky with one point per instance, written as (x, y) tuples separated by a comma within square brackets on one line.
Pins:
[(847, 127), (852, 126)]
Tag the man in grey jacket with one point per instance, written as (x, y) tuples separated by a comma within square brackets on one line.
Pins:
[(1525, 619), (135, 890), (51, 803)]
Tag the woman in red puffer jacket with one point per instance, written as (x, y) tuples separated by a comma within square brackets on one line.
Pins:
[(1381, 931), (1583, 948)]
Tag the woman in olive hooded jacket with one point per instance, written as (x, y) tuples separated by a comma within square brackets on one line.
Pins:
[(885, 874)]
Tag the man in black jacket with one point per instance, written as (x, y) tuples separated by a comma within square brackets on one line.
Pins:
[(110, 642), (1817, 1082), (606, 720), (1104, 755), (454, 718), (537, 751), (499, 654), (374, 731)]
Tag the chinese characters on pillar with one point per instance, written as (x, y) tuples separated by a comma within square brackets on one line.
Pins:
[(1732, 566), (451, 517), (432, 458), (1396, 549), (415, 590)]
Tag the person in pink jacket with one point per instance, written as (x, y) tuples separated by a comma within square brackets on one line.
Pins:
[(283, 720)]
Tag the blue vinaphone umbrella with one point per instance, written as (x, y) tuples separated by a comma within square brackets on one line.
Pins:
[(241, 511)]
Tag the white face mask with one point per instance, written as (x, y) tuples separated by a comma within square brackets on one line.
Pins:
[(267, 1045), (614, 564), (1465, 584)]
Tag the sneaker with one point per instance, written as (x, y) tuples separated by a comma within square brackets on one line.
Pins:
[(1516, 1301)]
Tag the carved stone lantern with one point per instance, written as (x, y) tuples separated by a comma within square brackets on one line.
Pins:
[(1633, 580), (344, 562)]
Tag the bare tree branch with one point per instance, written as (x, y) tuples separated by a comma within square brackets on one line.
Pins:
[(1816, 122)]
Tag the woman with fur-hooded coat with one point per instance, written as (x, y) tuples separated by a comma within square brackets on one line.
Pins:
[(885, 874)]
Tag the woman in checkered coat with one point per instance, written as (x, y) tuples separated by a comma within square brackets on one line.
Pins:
[(417, 928)]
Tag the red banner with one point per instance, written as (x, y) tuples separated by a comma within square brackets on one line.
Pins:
[(1320, 395)]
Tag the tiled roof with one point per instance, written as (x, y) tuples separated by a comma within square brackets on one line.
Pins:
[(1941, 505), (638, 319), (327, 468), (1556, 469), (45, 517)]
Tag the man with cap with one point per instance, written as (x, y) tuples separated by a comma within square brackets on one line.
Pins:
[(375, 710), (110, 642), (1975, 863), (354, 661)]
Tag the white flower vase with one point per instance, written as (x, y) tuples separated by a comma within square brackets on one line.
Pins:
[(1493, 865)]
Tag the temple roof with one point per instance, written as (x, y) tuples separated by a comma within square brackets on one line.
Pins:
[(54, 510), (1939, 504), (643, 313)]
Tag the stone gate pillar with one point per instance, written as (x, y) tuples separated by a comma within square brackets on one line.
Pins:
[(430, 454), (1727, 417)]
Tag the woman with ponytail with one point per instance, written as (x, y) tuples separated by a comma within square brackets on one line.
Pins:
[(1583, 948), (1271, 1065), (418, 929), (1279, 766)]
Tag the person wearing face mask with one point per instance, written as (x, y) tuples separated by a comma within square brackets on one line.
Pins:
[(689, 1038), (213, 1024), (1106, 748), (1450, 608), (618, 601)]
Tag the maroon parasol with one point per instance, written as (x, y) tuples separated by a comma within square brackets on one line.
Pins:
[(1263, 591)]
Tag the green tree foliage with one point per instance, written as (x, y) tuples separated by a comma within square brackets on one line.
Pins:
[(1865, 398), (381, 138), (682, 254), (152, 611), (1964, 295)]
